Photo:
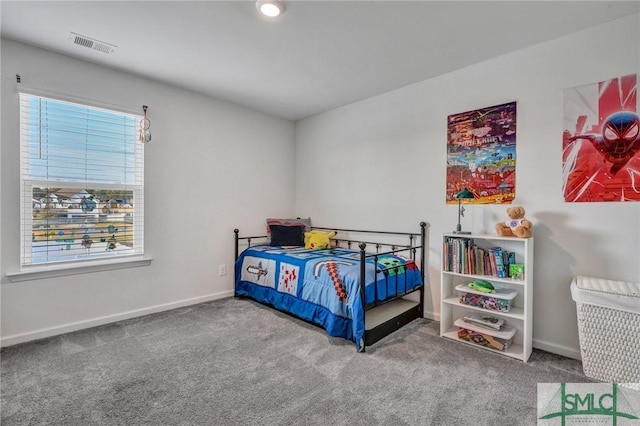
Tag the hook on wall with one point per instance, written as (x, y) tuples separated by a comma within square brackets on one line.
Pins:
[(18, 78)]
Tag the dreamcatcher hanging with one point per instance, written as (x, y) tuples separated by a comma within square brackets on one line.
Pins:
[(145, 125)]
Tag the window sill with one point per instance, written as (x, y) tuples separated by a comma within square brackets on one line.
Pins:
[(37, 274)]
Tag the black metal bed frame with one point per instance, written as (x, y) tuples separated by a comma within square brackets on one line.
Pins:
[(373, 335)]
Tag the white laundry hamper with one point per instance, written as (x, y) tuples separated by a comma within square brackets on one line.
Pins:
[(608, 328)]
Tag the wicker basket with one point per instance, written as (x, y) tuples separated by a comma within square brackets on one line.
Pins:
[(608, 328)]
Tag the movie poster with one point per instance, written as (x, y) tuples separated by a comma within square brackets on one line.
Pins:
[(481, 154), (601, 142)]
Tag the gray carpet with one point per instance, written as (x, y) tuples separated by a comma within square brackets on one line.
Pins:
[(235, 362)]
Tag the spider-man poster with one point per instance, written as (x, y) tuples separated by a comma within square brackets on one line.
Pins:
[(601, 142), (481, 154)]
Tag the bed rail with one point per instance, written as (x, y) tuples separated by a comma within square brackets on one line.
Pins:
[(391, 273), (382, 330), (248, 239)]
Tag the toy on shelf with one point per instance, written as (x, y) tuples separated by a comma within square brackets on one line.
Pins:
[(494, 339), (516, 271), (482, 285), (484, 320), (516, 226), (500, 300)]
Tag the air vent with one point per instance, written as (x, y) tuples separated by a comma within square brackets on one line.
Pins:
[(90, 43)]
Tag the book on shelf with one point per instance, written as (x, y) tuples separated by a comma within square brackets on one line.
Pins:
[(462, 255), (496, 253), (480, 260), (485, 320), (508, 257), (458, 254)]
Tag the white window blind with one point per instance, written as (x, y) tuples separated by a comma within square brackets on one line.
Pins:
[(82, 182)]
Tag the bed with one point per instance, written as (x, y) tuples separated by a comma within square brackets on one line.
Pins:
[(363, 287)]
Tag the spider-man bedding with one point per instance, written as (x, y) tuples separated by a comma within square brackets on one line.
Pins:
[(322, 286)]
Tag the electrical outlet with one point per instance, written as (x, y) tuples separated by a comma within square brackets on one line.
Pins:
[(222, 270)]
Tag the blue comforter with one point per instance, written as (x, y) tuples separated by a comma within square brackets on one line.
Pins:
[(322, 286)]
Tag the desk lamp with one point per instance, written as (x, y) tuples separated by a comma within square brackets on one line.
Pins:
[(464, 194)]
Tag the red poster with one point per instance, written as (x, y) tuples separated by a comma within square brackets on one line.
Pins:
[(481, 154), (601, 142)]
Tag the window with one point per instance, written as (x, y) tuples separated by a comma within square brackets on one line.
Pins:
[(82, 183)]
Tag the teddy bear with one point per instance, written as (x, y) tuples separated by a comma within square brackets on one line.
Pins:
[(516, 226), (318, 239)]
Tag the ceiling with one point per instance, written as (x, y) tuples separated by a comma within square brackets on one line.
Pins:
[(317, 56)]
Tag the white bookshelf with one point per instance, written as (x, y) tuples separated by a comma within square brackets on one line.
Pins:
[(520, 314)]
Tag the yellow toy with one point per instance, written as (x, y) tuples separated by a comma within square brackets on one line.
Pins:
[(318, 239)]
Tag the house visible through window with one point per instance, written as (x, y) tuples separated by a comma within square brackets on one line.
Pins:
[(82, 182)]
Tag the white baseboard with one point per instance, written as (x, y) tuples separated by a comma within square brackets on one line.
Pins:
[(557, 349), (14, 339), (432, 316)]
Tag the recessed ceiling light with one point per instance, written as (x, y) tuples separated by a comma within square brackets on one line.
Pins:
[(270, 8)]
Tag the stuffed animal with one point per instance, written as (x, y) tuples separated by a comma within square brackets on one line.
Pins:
[(318, 239), (516, 226), (482, 285)]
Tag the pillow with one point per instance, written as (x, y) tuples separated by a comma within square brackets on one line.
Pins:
[(289, 222), (287, 235)]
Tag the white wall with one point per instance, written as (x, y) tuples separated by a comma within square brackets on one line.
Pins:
[(211, 167), (380, 163)]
